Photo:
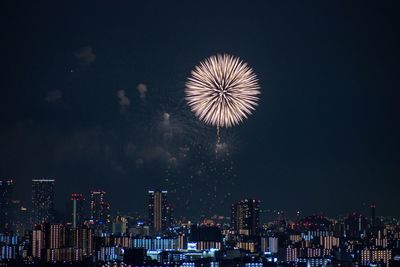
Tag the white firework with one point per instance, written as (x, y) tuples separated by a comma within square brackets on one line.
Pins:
[(222, 90)]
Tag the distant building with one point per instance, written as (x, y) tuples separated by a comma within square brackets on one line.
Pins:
[(157, 243), (77, 209), (369, 256), (99, 209), (42, 200), (55, 236), (373, 219), (329, 242), (82, 238), (119, 225), (38, 242), (245, 216), (160, 211), (19, 217), (205, 237), (355, 225), (6, 191), (313, 261)]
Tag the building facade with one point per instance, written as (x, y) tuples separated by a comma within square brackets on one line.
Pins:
[(43, 200)]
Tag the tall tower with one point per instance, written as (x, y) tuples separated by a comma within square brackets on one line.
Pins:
[(77, 209), (245, 216), (373, 218), (99, 208), (160, 212), (6, 190), (43, 200)]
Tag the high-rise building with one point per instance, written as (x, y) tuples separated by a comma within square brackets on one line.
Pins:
[(245, 216), (19, 217), (355, 225), (43, 200), (82, 238), (38, 241), (160, 212), (329, 242), (77, 209), (99, 209), (6, 190), (55, 235), (373, 219)]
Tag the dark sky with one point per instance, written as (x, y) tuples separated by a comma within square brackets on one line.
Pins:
[(93, 95)]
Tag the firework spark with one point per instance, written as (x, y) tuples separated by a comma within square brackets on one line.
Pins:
[(222, 90)]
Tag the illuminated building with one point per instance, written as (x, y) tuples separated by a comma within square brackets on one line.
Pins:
[(67, 254), (20, 218), (109, 253), (247, 245), (355, 225), (6, 190), (329, 242), (182, 241), (99, 209), (269, 244), (10, 252), (205, 237), (369, 256), (291, 254), (82, 238), (207, 245), (160, 212), (119, 225), (264, 244), (273, 244), (54, 235), (295, 238), (38, 242), (144, 242), (158, 243), (122, 241), (245, 216), (164, 243), (43, 200), (379, 241), (314, 261), (10, 247), (139, 229), (77, 209)]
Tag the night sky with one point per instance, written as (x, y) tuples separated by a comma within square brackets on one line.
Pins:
[(93, 95)]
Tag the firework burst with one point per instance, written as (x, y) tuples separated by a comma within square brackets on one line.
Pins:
[(222, 91)]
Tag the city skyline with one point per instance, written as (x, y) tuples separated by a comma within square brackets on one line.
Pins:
[(189, 134), (92, 236), (157, 211)]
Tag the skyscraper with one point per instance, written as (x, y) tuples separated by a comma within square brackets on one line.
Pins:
[(373, 220), (38, 242), (19, 217), (6, 190), (77, 209), (245, 216), (160, 212), (43, 200), (99, 208)]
